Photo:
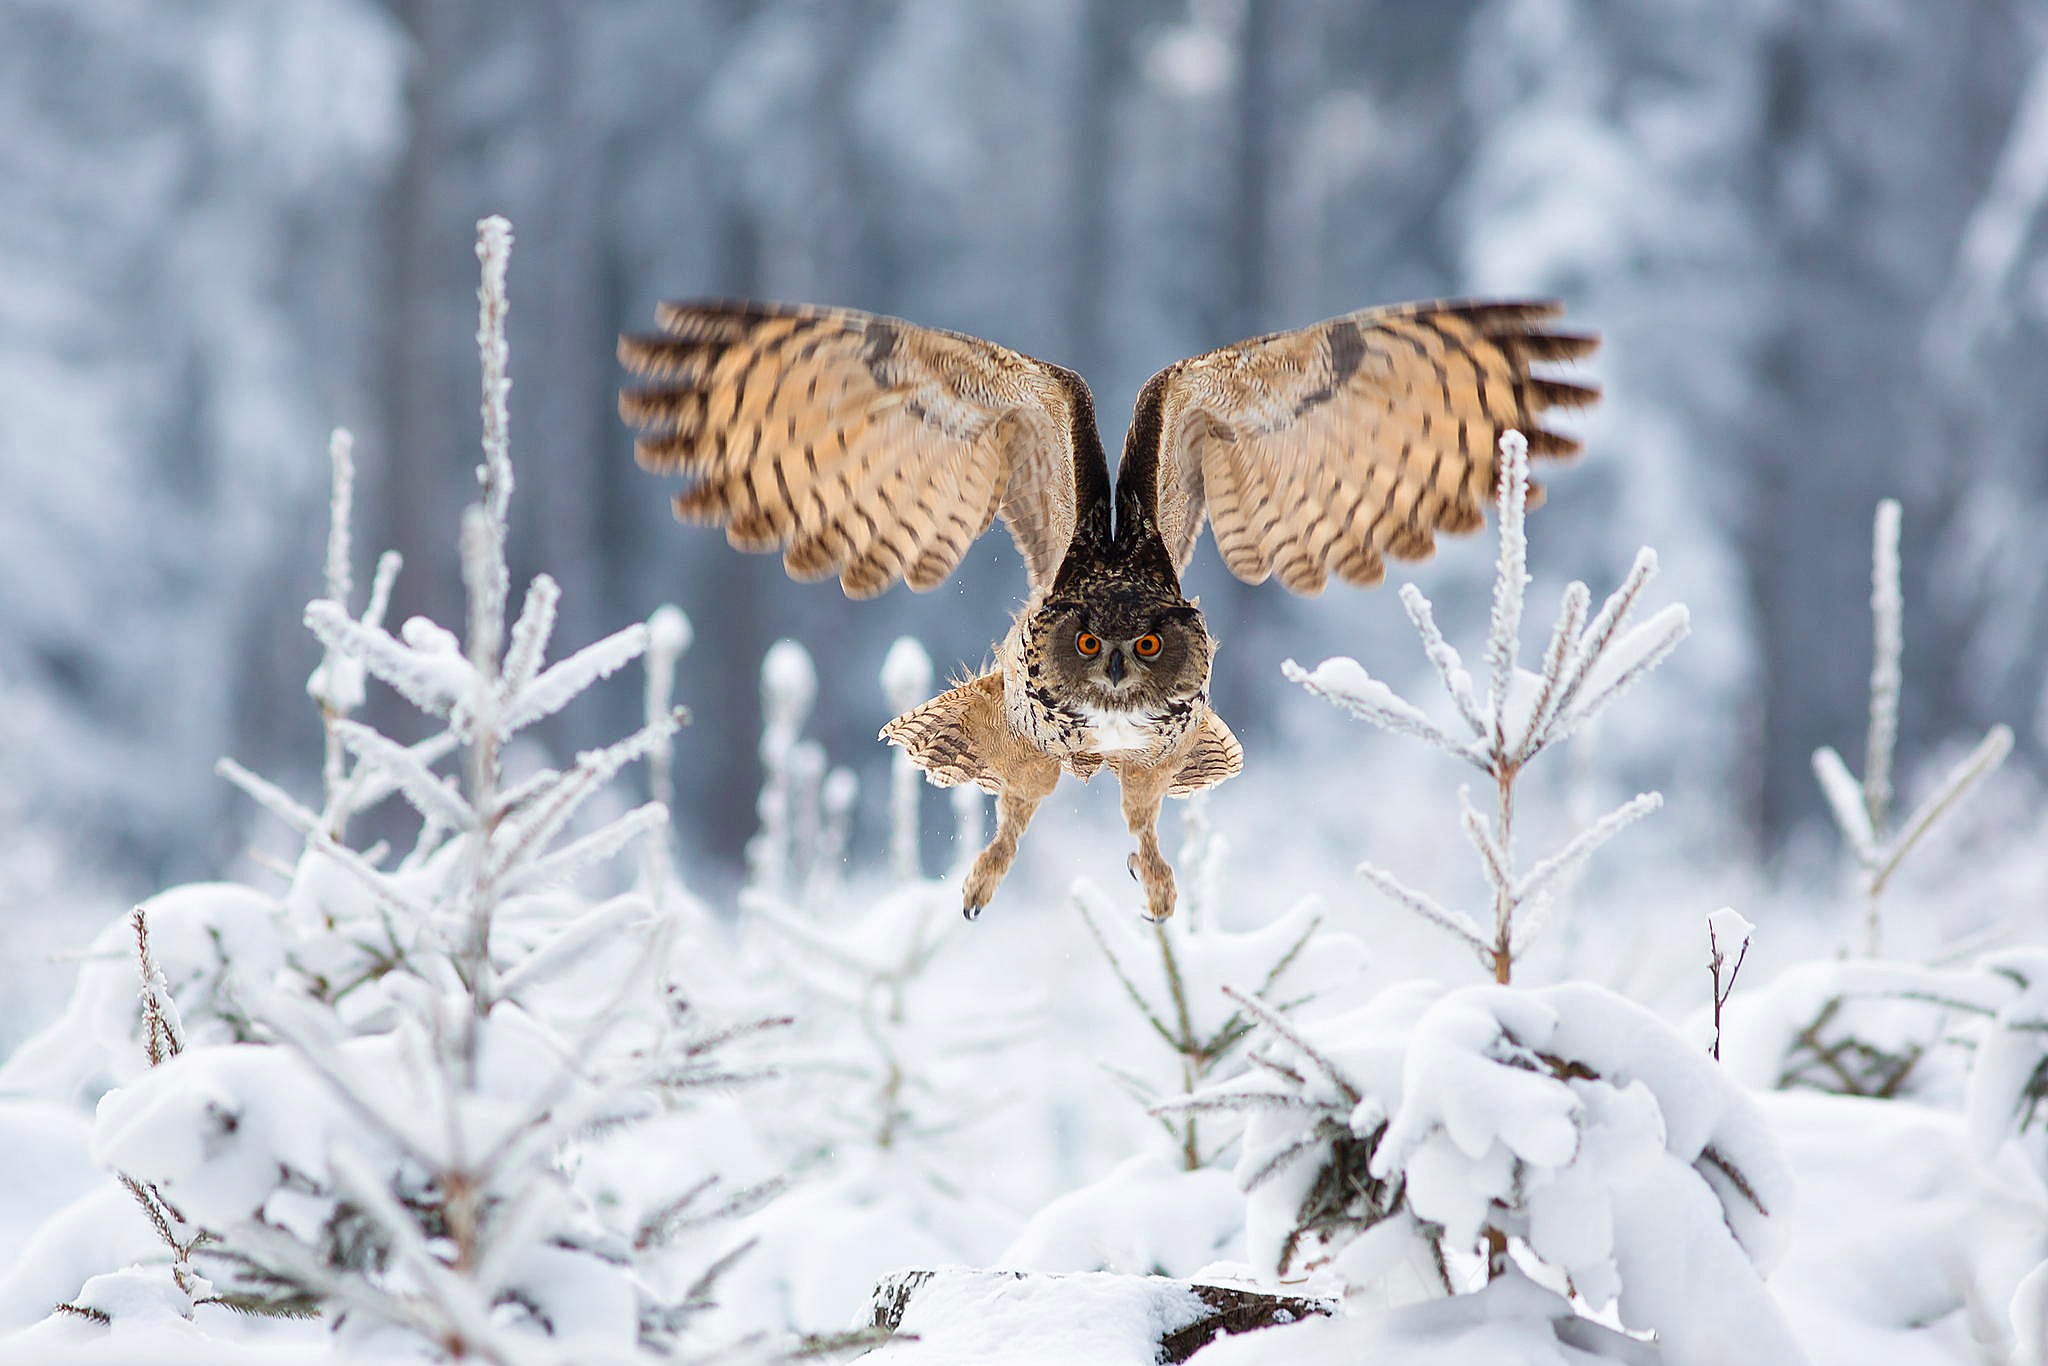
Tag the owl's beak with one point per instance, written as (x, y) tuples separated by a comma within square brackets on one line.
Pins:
[(1115, 667)]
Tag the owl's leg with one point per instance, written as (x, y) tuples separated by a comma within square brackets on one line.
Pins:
[(1144, 788), (1023, 789)]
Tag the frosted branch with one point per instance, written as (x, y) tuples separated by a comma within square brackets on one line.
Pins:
[(494, 252), (555, 688), (163, 1032), (430, 680), (1422, 904), (668, 639), (1620, 663), (1557, 658), (1245, 1102), (341, 455), (1585, 842), (369, 784), (593, 848), (486, 580), (1346, 684), (1449, 665), (430, 794), (388, 565), (530, 635), (1975, 766), (269, 796), (1845, 802), (539, 819), (1271, 1019), (1493, 860), (1511, 579), (1887, 611), (1607, 624)]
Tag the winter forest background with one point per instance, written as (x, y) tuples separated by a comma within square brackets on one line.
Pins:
[(1813, 233)]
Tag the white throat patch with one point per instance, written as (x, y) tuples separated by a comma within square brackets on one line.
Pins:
[(1117, 731)]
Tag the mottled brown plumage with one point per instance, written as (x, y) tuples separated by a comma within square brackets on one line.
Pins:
[(877, 450)]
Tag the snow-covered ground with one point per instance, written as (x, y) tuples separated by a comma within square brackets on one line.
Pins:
[(513, 1088)]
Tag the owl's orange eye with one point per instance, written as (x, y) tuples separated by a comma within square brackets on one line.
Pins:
[(1146, 646), (1087, 644)]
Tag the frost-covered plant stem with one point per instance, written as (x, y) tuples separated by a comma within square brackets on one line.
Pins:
[(1862, 811), (1503, 888), (487, 578), (163, 1038), (906, 681)]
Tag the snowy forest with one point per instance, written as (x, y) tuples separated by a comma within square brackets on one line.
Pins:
[(454, 912)]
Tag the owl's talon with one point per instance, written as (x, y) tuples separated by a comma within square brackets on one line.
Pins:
[(1131, 866), (971, 910)]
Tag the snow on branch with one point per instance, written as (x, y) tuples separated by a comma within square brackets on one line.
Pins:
[(432, 679), (1346, 684)]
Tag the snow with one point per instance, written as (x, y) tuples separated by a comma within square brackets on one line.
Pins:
[(1729, 931), (1146, 1215), (1511, 1320), (993, 1318)]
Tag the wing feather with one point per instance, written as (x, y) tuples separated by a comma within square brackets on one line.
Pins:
[(859, 445), (1330, 448)]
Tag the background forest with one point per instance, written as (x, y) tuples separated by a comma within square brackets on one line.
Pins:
[(1813, 233)]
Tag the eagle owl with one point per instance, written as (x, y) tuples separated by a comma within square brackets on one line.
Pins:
[(876, 450)]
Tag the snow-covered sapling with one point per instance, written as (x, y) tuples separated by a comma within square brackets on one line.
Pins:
[(376, 1105), (1863, 811), (1585, 666), (1409, 1142)]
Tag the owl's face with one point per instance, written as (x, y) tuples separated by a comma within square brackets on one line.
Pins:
[(1121, 654)]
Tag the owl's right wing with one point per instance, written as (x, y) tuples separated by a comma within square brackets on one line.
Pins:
[(860, 445), (1325, 449)]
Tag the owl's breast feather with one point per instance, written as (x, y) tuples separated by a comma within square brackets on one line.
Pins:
[(1113, 732)]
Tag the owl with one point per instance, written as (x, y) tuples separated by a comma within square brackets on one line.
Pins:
[(876, 450)]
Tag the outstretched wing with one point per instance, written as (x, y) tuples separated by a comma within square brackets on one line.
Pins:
[(1325, 449), (861, 445)]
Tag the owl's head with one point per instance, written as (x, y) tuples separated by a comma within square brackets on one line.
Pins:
[(1122, 651)]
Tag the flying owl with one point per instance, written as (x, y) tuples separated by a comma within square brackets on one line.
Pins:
[(877, 450)]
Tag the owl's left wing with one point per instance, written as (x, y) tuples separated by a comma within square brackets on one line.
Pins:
[(1325, 449), (862, 446)]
